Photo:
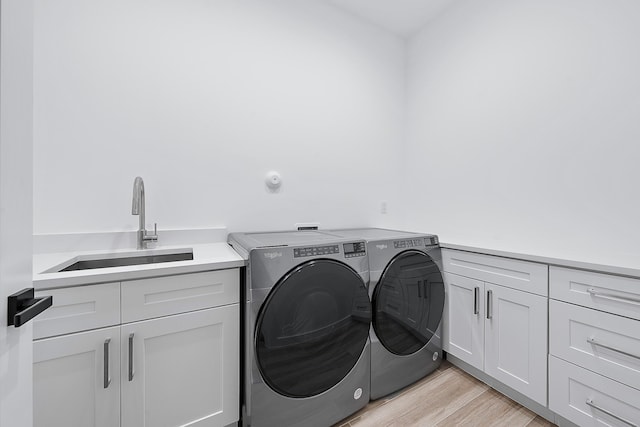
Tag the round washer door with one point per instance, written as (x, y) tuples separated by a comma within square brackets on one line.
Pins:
[(408, 302), (312, 328)]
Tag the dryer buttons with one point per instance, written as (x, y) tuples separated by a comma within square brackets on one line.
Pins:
[(315, 251), (412, 243)]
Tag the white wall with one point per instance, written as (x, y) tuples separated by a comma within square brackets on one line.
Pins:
[(16, 347), (201, 98), (525, 130)]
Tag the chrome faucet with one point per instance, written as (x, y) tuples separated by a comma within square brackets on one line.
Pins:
[(137, 208)]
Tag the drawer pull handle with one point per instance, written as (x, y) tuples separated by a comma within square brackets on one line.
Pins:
[(107, 376), (476, 300), (591, 403), (617, 350), (131, 356), (614, 297), (489, 305)]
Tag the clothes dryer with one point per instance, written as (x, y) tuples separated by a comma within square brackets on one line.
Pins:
[(408, 295), (307, 316)]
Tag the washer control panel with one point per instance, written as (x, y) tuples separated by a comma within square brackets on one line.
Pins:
[(416, 243), (409, 243), (354, 249), (316, 251)]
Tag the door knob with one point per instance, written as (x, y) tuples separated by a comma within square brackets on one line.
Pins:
[(23, 306)]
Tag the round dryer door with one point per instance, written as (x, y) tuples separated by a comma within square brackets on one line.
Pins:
[(312, 328), (408, 302)]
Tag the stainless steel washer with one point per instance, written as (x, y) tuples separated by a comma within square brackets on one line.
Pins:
[(408, 296), (307, 316)]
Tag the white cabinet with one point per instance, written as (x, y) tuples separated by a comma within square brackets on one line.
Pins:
[(605, 292), (594, 375), (181, 370), (78, 309), (500, 329), (516, 340), (163, 369), (162, 296), (464, 314), (77, 379), (598, 341), (512, 273), (589, 399)]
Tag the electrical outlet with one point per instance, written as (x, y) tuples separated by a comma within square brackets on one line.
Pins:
[(383, 207)]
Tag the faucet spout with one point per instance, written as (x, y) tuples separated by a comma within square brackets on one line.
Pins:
[(138, 208), (138, 202)]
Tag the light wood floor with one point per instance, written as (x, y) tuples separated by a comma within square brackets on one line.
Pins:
[(447, 397)]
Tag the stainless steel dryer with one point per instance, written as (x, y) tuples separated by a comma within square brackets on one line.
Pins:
[(307, 317), (408, 295)]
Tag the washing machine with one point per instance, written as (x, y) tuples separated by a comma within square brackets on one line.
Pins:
[(408, 295), (306, 321)]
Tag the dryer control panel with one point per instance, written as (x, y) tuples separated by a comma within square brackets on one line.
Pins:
[(316, 250), (354, 249)]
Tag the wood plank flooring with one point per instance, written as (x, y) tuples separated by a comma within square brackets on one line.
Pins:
[(447, 397)]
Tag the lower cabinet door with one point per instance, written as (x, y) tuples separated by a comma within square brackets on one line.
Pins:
[(76, 380), (181, 369), (516, 340), (464, 319)]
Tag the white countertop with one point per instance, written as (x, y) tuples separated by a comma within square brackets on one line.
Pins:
[(210, 256), (626, 267), (210, 253)]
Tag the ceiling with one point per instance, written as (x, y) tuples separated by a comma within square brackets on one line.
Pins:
[(403, 17)]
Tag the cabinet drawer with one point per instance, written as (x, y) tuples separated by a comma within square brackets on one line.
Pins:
[(588, 399), (601, 342), (78, 309), (614, 294), (162, 296), (516, 274)]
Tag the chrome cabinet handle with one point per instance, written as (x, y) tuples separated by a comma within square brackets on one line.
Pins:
[(131, 356), (489, 304), (476, 300), (591, 403), (617, 350), (107, 376), (614, 297)]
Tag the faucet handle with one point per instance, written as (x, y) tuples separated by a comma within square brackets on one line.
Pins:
[(152, 237)]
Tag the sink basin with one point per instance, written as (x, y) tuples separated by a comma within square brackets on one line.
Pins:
[(121, 260)]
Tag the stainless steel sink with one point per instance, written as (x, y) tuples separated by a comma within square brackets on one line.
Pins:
[(121, 260)]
